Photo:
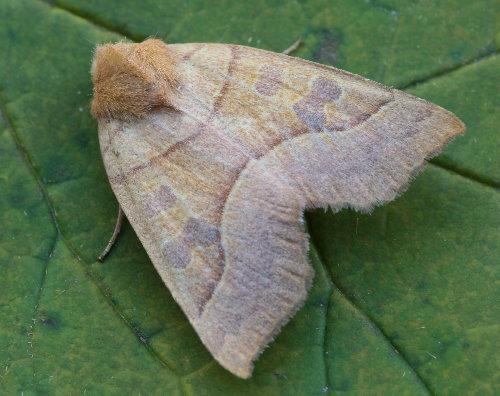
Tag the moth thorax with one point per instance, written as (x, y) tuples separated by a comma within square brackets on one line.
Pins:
[(131, 79)]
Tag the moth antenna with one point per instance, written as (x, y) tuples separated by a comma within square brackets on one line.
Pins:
[(114, 237), (293, 47)]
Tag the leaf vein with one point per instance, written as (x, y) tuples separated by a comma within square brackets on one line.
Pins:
[(401, 355), (101, 286)]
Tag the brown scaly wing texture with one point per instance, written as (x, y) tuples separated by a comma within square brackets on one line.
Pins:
[(215, 175)]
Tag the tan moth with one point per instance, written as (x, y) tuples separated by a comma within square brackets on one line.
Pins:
[(215, 150)]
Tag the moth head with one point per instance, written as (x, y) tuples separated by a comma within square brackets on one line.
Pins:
[(131, 79)]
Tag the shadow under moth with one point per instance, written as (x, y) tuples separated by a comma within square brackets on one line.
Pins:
[(214, 151)]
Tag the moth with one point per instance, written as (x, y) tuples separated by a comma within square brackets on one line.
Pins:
[(214, 151)]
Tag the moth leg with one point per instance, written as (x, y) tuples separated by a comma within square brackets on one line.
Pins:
[(293, 47), (114, 237)]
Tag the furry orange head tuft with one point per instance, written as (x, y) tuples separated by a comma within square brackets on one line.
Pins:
[(131, 79)]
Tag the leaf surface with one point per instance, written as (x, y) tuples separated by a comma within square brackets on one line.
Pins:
[(403, 299)]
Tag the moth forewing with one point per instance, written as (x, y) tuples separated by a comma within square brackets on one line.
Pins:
[(213, 152)]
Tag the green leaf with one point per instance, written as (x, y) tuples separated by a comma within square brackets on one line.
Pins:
[(403, 299)]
